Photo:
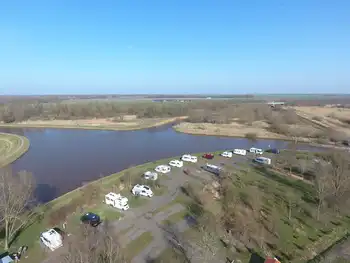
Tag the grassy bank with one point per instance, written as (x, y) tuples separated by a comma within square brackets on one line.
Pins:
[(12, 147), (89, 197), (231, 130), (102, 124)]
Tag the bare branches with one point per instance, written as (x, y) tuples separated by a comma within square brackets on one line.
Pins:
[(16, 196), (95, 245)]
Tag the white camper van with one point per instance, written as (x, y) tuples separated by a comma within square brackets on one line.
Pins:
[(263, 160), (117, 201), (256, 150), (240, 151), (51, 239)]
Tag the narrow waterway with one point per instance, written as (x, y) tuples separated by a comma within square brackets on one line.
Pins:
[(62, 159)]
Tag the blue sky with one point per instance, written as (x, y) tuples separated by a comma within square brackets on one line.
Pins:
[(192, 46)]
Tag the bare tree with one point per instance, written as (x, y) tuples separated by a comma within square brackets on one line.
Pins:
[(16, 198), (95, 245), (291, 203), (321, 185), (206, 248), (340, 180)]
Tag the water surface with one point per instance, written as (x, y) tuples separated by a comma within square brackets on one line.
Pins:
[(63, 159)]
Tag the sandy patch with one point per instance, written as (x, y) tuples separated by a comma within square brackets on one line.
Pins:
[(327, 117)]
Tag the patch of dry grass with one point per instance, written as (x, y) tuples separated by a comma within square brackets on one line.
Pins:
[(129, 122)]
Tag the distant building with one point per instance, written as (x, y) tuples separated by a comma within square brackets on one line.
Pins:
[(275, 103)]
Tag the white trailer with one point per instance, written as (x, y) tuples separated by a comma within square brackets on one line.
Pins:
[(117, 201), (256, 150), (51, 239), (240, 151)]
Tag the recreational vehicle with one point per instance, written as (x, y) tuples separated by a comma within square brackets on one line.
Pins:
[(117, 201), (240, 151)]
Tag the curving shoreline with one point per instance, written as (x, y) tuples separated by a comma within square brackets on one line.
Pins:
[(16, 146), (105, 127)]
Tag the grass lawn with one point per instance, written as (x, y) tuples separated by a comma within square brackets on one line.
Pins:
[(138, 244), (12, 147), (94, 192)]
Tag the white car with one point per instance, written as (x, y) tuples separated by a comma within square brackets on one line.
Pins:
[(149, 175), (227, 154), (189, 158), (176, 163), (142, 190), (163, 169)]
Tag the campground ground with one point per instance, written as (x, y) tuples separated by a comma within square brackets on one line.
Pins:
[(12, 147), (144, 229)]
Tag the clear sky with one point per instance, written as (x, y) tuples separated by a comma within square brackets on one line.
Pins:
[(174, 46)]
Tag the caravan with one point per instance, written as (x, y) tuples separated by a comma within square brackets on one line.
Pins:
[(163, 169), (240, 151), (51, 239), (227, 154), (256, 150), (149, 175), (189, 158), (117, 201)]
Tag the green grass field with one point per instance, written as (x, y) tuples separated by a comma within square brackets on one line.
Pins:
[(12, 147)]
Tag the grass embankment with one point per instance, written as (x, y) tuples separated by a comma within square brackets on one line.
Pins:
[(12, 147), (272, 212), (70, 206), (130, 123)]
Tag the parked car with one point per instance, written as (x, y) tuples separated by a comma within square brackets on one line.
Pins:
[(163, 169), (208, 156), (176, 163), (142, 190), (149, 175), (189, 158), (91, 219), (256, 150), (240, 151), (227, 154)]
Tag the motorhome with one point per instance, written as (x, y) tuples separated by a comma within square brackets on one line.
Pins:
[(163, 169), (142, 190), (263, 160), (117, 201), (176, 163), (240, 151), (212, 169), (51, 239), (256, 150), (227, 154), (189, 158), (149, 175)]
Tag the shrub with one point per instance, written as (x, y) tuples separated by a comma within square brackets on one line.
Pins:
[(251, 136)]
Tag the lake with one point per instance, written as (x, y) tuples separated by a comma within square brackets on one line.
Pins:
[(63, 159)]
